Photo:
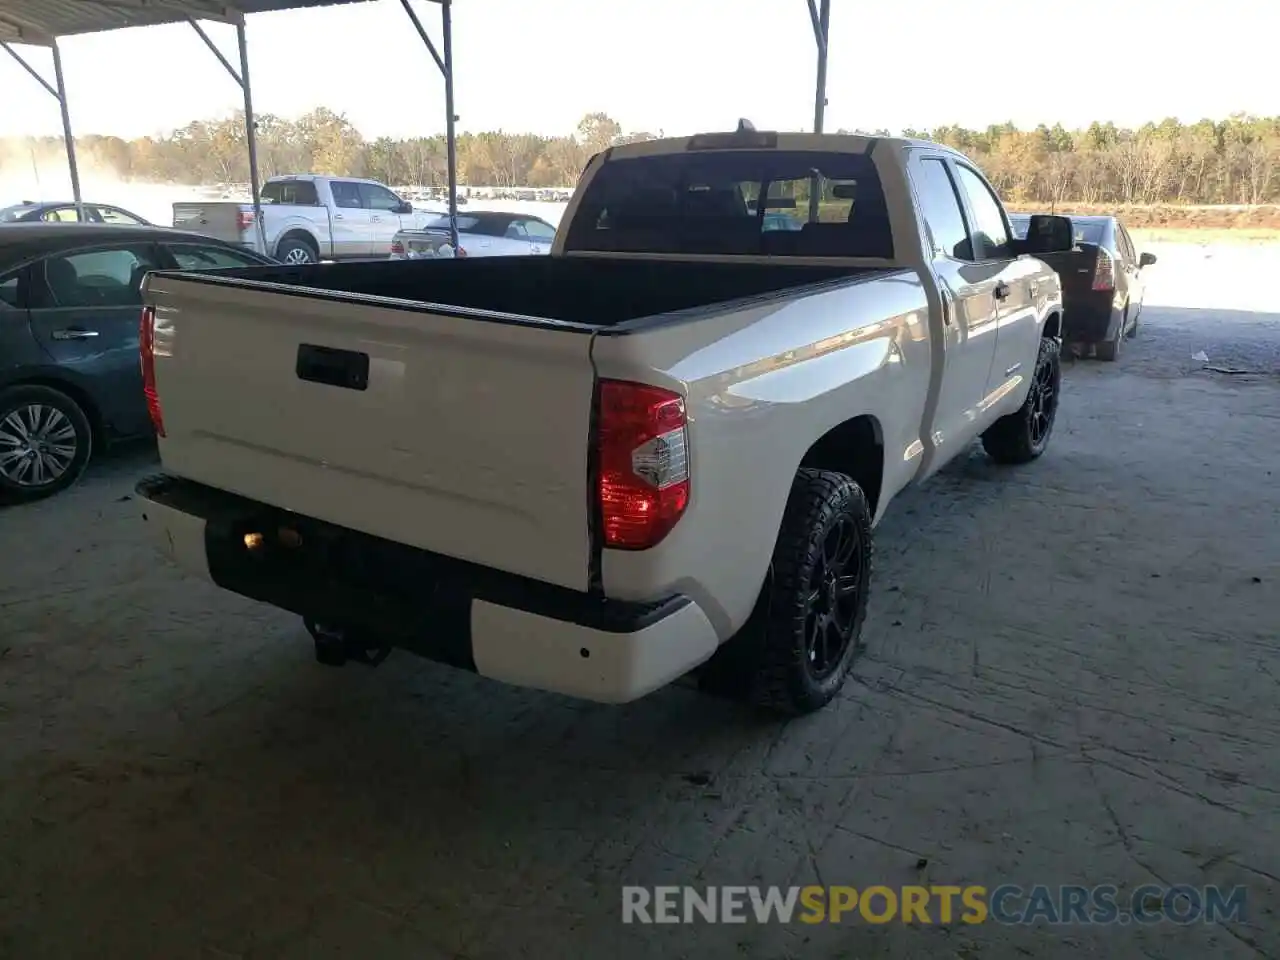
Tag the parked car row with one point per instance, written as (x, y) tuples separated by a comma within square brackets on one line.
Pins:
[(70, 293)]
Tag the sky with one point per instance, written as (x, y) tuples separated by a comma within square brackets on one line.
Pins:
[(680, 66)]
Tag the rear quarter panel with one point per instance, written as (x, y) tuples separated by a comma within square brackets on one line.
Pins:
[(280, 219), (763, 383)]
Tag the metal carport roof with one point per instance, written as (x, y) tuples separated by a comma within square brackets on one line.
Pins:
[(42, 22)]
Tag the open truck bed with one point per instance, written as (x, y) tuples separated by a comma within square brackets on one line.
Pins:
[(589, 292)]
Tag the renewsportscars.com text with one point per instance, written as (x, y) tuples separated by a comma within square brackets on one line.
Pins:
[(937, 904)]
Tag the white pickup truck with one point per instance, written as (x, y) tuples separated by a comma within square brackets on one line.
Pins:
[(308, 218), (660, 449)]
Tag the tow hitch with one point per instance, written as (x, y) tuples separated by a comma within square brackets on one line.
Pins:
[(335, 646)]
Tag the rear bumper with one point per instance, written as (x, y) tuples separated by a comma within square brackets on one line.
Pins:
[(508, 628), (1089, 319)]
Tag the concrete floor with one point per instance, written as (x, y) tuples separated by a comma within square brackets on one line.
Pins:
[(1072, 678)]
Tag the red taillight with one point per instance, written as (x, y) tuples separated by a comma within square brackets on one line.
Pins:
[(397, 248), (460, 252), (643, 458), (1104, 274), (147, 352), (244, 219)]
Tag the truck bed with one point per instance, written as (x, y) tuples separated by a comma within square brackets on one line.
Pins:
[(590, 292)]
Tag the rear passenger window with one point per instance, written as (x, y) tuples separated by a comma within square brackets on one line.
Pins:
[(100, 278), (941, 208), (345, 194), (298, 193)]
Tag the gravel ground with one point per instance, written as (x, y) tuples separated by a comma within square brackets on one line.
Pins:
[(1072, 678)]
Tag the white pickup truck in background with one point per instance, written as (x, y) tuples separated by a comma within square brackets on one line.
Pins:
[(308, 218), (661, 449), (481, 233)]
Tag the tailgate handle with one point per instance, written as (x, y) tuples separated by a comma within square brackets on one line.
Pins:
[(334, 368)]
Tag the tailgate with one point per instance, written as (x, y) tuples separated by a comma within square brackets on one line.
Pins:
[(218, 220), (463, 436)]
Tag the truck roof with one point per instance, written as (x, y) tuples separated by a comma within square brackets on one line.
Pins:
[(314, 177), (748, 139)]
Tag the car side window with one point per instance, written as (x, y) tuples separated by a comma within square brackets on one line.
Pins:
[(990, 234), (1126, 244), (192, 256), (346, 194), (379, 198), (516, 231), (11, 292), (941, 208), (60, 215), (538, 230), (97, 278), (114, 215)]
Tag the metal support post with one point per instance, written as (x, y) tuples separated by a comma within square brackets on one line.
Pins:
[(445, 64), (821, 19), (821, 30), (59, 93), (451, 144), (241, 77), (251, 137)]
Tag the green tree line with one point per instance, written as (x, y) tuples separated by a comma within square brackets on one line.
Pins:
[(1231, 161)]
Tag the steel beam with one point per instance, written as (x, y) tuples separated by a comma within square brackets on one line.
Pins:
[(57, 90), (445, 65), (251, 138), (241, 77)]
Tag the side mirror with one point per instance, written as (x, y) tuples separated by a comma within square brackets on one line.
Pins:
[(405, 207), (1146, 260), (1049, 234)]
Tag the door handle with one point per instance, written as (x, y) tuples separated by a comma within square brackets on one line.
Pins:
[(337, 216), (376, 219), (74, 333), (1001, 291)]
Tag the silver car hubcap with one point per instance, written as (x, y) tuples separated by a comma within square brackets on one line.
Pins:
[(297, 255), (37, 445)]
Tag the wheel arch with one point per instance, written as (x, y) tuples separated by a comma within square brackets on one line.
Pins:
[(1052, 325), (82, 397), (855, 448), (300, 234)]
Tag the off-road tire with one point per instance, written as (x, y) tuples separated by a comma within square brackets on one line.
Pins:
[(768, 663), (22, 397), (1020, 437)]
